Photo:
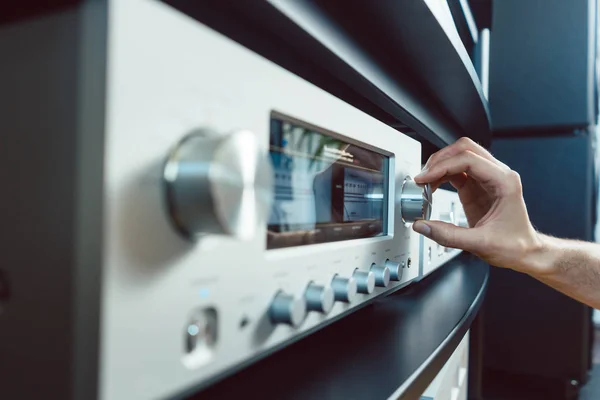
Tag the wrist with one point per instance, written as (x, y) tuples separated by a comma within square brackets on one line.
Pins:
[(540, 256)]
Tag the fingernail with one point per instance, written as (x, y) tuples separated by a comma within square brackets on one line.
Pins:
[(422, 173), (422, 228)]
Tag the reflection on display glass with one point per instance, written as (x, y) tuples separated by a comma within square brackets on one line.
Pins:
[(326, 189)]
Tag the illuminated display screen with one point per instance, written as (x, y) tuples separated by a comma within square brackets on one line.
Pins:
[(325, 188)]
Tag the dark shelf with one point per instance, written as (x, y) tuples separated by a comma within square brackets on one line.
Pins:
[(395, 346), (392, 60), (408, 43), (465, 24)]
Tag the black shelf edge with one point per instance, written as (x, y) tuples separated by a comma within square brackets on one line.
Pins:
[(465, 23), (392, 348), (421, 379), (405, 93), (406, 39)]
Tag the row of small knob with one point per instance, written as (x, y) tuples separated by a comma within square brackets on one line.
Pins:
[(289, 310)]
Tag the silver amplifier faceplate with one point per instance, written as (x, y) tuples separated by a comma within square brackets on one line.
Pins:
[(177, 313), (446, 208)]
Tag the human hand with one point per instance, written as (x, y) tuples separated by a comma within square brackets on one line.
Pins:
[(492, 197)]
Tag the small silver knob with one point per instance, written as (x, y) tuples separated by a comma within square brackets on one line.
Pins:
[(218, 184), (415, 201), (319, 298), (382, 275), (462, 221), (365, 281), (396, 270), (286, 309), (449, 216), (344, 289)]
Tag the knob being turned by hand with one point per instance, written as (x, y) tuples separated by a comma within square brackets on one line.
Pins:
[(415, 201), (497, 226)]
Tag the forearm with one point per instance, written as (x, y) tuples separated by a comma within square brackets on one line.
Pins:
[(569, 266)]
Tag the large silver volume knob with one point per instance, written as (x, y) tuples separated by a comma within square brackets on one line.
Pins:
[(218, 184), (344, 289), (415, 201), (286, 309), (319, 298)]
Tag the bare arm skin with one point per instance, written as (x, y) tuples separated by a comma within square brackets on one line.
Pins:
[(571, 267), (500, 231)]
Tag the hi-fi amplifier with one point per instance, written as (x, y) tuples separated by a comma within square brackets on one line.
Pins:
[(244, 206)]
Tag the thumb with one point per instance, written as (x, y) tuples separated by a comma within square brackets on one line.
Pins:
[(447, 235)]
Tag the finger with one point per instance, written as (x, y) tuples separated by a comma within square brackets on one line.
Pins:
[(448, 235), (473, 165), (457, 181), (461, 145)]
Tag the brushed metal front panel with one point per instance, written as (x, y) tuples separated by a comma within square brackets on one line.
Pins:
[(168, 75)]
